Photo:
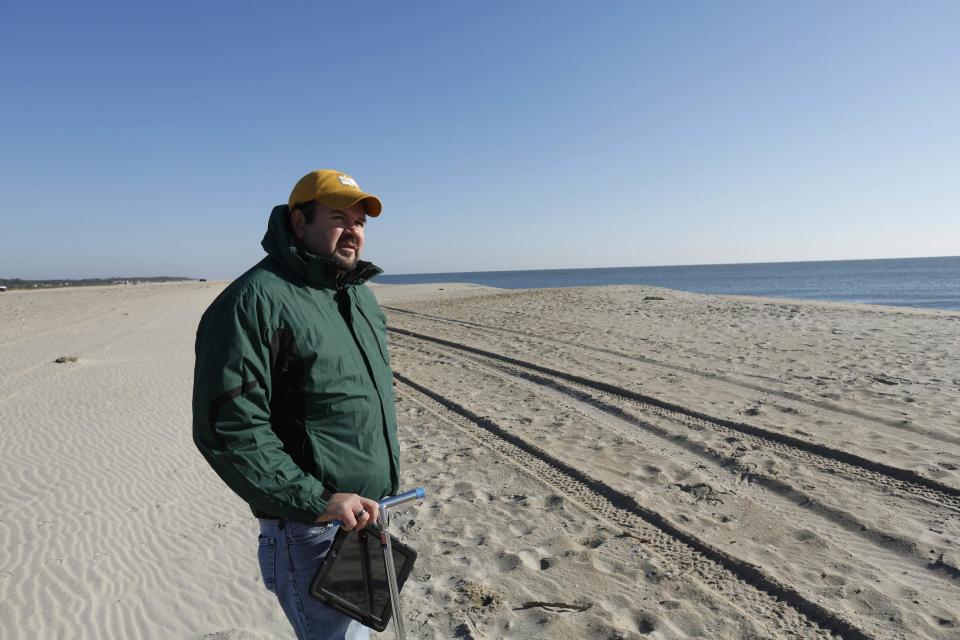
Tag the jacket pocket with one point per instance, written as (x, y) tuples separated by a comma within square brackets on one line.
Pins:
[(378, 327), (308, 546)]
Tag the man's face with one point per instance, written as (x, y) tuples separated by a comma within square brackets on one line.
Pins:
[(337, 233)]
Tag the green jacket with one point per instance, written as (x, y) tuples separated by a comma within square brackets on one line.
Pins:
[(293, 392)]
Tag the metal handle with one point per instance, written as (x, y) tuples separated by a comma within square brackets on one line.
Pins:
[(403, 498), (390, 501)]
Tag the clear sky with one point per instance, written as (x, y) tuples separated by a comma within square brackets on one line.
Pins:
[(154, 138)]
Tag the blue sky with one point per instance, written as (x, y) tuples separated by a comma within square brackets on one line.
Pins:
[(149, 139)]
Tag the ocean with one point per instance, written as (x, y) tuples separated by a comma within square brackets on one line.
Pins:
[(932, 283)]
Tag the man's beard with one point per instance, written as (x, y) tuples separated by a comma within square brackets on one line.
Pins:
[(343, 263)]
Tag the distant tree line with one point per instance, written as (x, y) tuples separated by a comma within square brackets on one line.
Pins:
[(18, 283)]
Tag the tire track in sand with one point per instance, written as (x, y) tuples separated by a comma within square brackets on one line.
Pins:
[(903, 479), (764, 596), (715, 458), (824, 405)]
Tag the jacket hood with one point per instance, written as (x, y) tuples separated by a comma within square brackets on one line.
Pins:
[(313, 269)]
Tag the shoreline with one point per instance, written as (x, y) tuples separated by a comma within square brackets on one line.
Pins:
[(430, 289), (425, 290), (913, 282)]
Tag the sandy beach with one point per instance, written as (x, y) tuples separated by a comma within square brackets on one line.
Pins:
[(604, 462)]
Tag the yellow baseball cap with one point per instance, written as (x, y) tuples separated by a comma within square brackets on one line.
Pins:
[(333, 189)]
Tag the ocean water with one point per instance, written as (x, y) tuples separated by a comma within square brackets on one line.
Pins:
[(932, 283)]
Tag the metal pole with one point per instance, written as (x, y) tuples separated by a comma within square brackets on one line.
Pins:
[(383, 519)]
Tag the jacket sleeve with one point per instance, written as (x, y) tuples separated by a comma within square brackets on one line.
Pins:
[(231, 413)]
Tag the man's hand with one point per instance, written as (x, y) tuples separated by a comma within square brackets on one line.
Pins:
[(353, 511)]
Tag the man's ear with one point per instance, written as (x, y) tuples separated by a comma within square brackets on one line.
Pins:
[(297, 223)]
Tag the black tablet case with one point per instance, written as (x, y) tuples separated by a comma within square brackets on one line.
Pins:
[(353, 576)]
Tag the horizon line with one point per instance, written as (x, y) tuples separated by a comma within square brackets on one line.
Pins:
[(429, 273), (657, 266)]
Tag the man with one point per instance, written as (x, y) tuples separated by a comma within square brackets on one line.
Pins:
[(293, 401)]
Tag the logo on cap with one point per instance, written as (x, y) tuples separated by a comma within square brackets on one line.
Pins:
[(347, 181)]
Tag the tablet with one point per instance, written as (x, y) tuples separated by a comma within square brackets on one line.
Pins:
[(353, 576)]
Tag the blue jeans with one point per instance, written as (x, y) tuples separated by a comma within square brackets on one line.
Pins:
[(289, 557)]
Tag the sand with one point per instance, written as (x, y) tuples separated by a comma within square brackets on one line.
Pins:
[(604, 462)]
